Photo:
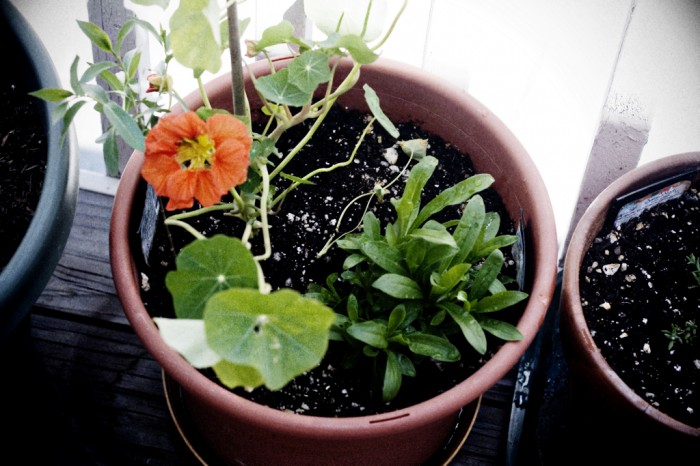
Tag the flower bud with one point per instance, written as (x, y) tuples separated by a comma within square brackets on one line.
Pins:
[(251, 48), (158, 83)]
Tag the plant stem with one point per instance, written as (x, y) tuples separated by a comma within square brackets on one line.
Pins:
[(203, 210), (327, 169), (391, 28), (327, 104), (239, 99), (263, 213), (203, 92)]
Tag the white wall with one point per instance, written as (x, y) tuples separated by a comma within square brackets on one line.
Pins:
[(545, 67)]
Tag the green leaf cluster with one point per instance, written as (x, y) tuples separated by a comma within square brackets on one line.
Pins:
[(129, 114), (254, 338), (407, 289)]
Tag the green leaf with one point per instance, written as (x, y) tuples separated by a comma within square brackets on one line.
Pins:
[(69, 116), (373, 103), (187, 337), (492, 223), (370, 332), (398, 286), (470, 327), (192, 39), (498, 301), (112, 80), (281, 334), (125, 126), (500, 329), (392, 377), (414, 252), (435, 235), (74, 81), (52, 94), (94, 70), (131, 62), (128, 26), (202, 270), (433, 346), (491, 245), (396, 318), (353, 308), (308, 70), (356, 47), (277, 88), (352, 260), (385, 256), (488, 272), (205, 113), (96, 35), (236, 375), (407, 367), (110, 152), (454, 195), (446, 281), (415, 148), (280, 33), (97, 93), (371, 228), (468, 229), (407, 207)]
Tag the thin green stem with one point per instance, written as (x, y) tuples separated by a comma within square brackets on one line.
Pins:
[(327, 169), (332, 240), (263, 213), (203, 92), (203, 210), (391, 28), (185, 226), (328, 102)]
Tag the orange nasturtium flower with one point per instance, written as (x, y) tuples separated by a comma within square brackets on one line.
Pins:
[(187, 158)]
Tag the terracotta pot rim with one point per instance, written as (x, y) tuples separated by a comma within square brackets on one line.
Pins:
[(585, 231), (448, 402)]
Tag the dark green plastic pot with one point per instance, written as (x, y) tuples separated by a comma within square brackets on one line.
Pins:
[(36, 257)]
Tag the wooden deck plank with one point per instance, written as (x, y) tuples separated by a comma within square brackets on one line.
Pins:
[(82, 282)]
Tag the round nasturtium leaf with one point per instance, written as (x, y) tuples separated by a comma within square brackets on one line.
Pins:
[(281, 334), (205, 267)]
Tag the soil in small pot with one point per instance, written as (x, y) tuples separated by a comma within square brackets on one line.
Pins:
[(307, 220), (635, 285), (22, 163)]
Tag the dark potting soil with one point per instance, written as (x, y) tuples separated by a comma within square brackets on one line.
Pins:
[(635, 283), (22, 164), (307, 219)]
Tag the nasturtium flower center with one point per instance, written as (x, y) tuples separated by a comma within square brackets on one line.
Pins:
[(196, 153)]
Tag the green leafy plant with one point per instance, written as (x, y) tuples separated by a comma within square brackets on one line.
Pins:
[(688, 332), (678, 334), (694, 262), (419, 281), (411, 284)]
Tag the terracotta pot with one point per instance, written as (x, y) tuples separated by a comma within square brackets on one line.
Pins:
[(33, 263), (610, 403), (244, 432)]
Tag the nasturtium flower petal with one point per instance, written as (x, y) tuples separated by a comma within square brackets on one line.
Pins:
[(188, 158)]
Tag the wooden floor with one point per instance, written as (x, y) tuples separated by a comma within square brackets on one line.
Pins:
[(86, 392)]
